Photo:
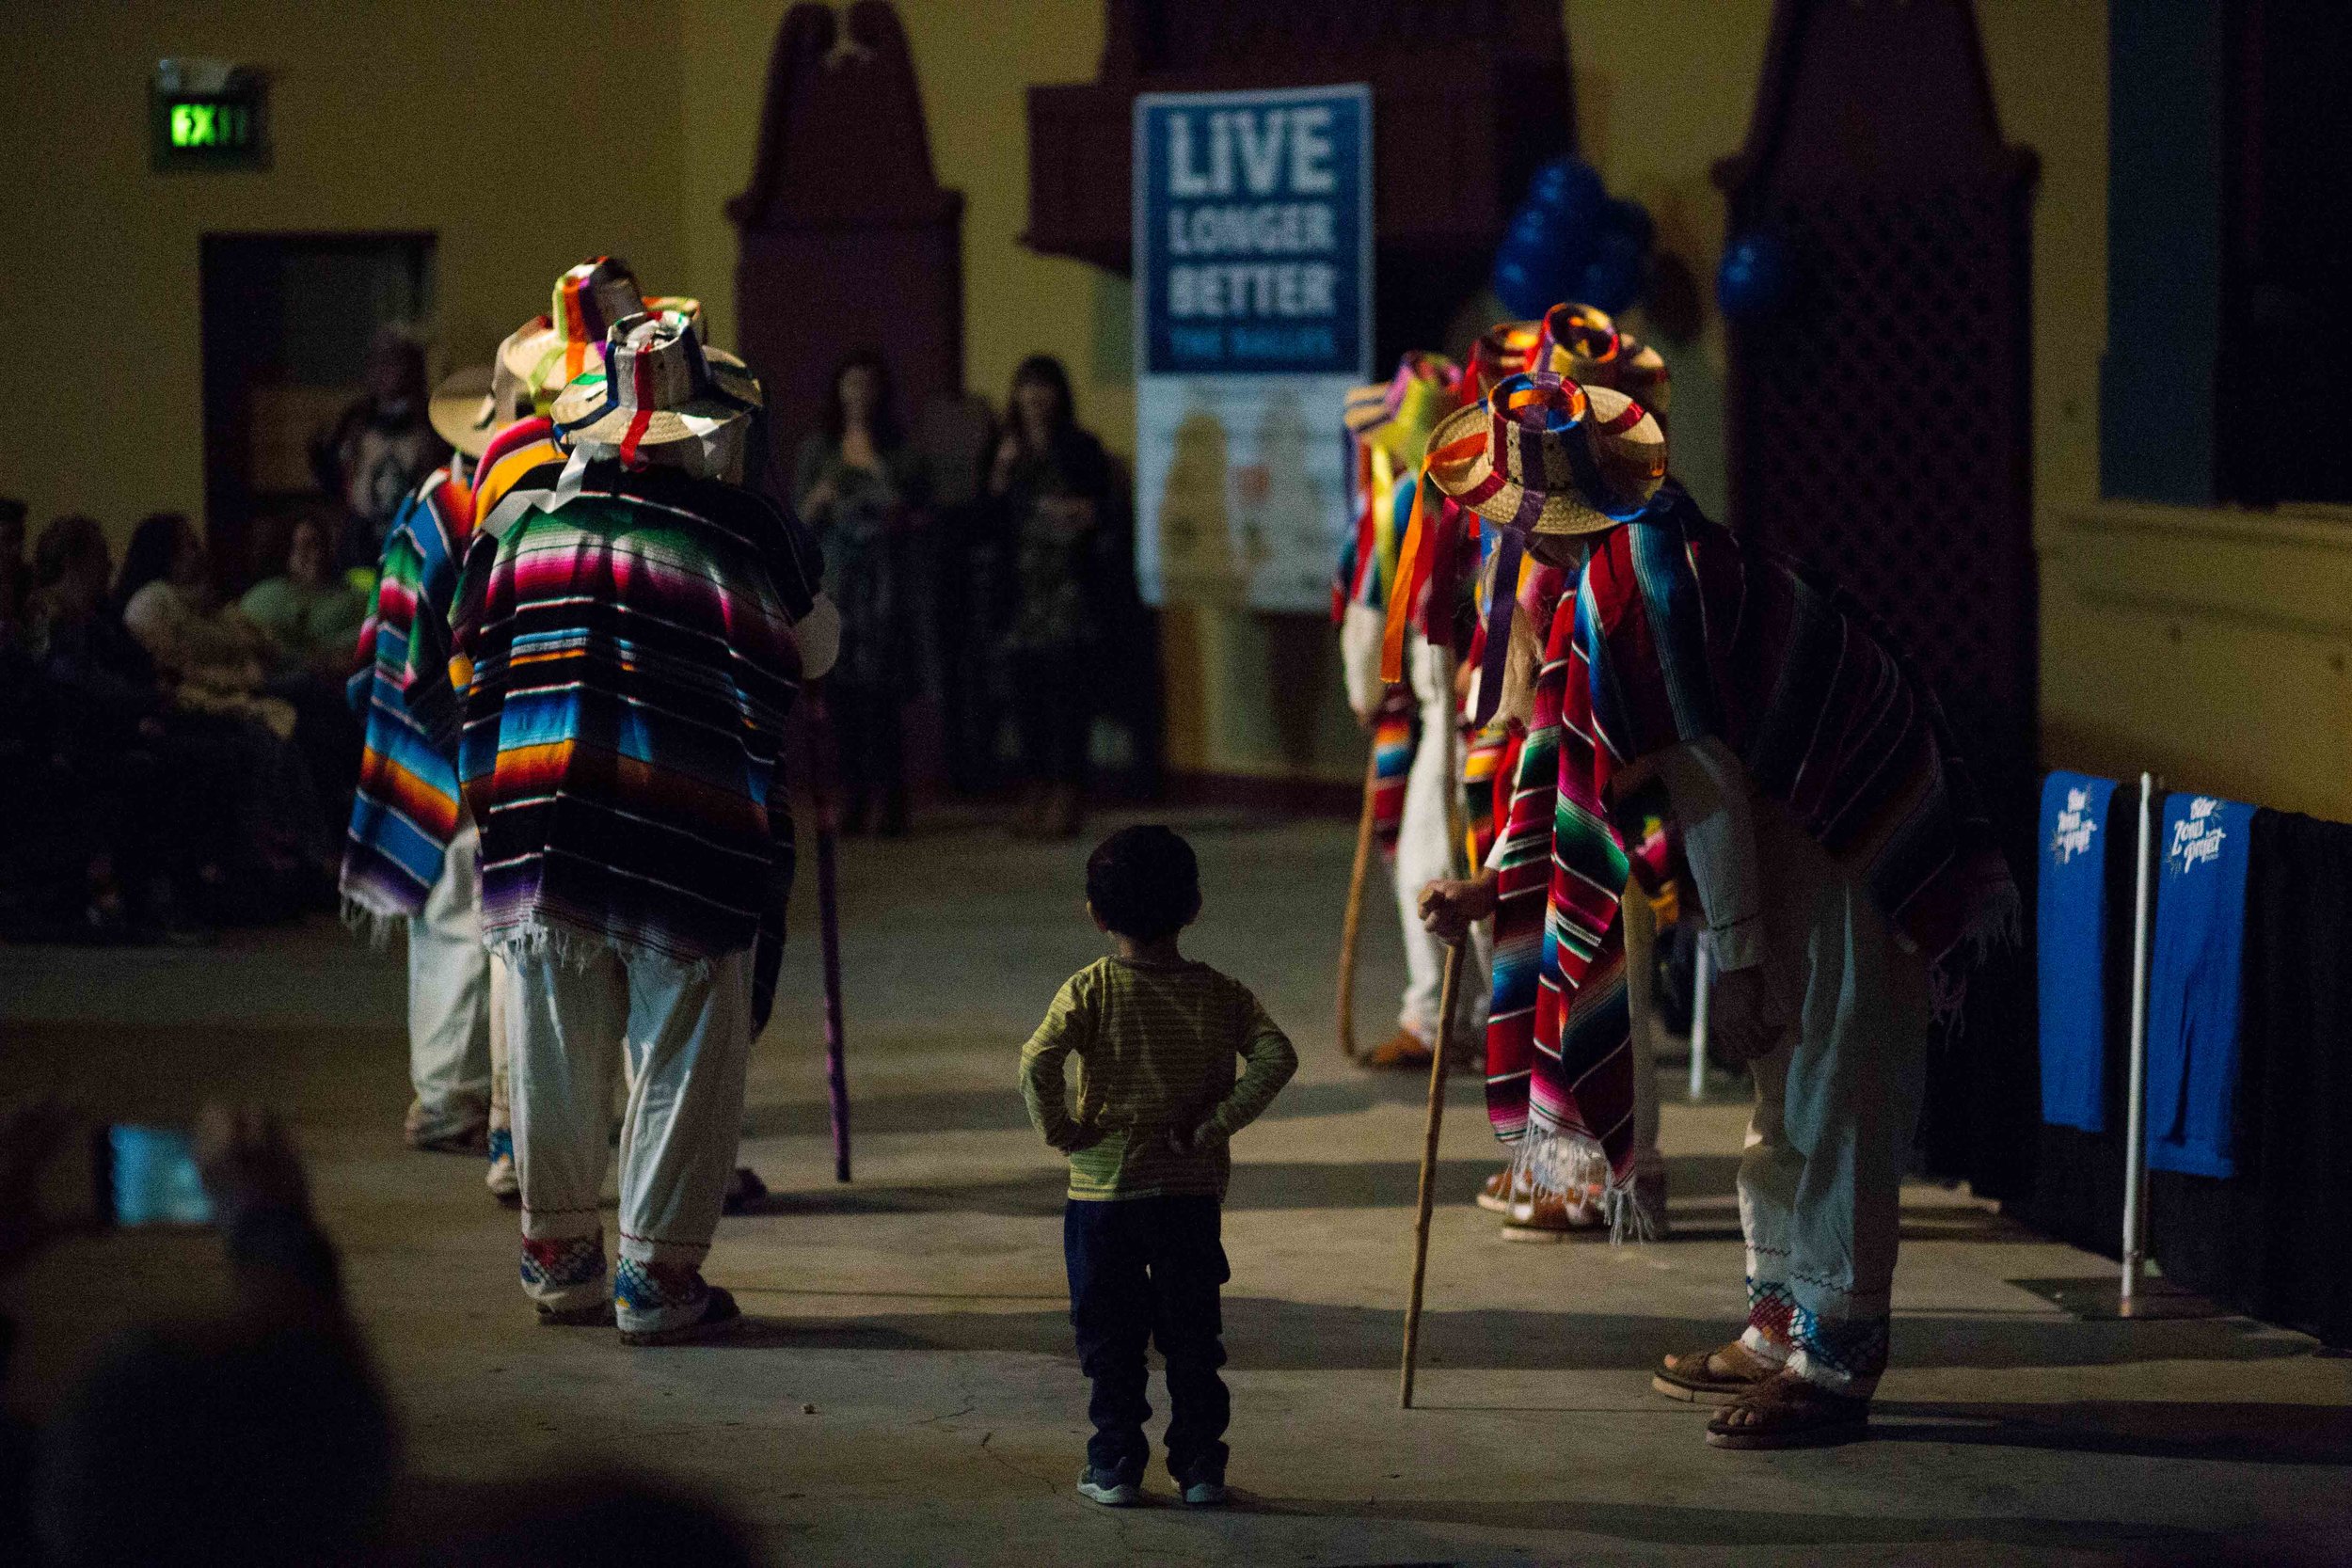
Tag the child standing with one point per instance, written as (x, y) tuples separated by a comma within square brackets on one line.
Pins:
[(1156, 1037)]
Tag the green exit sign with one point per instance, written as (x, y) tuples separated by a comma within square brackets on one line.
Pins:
[(209, 116)]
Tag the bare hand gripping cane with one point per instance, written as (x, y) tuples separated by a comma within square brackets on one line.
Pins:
[(1351, 925), (1429, 1168)]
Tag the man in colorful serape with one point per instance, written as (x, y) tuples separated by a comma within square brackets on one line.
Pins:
[(1413, 719), (1545, 1191), (1691, 687), (625, 656), (409, 856)]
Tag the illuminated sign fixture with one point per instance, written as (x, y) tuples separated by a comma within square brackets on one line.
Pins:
[(208, 114)]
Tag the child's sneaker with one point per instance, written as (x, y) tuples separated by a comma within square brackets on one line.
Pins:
[(1098, 1487), (1208, 1492)]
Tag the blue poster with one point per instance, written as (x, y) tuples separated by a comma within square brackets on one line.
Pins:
[(1253, 232), (1253, 320)]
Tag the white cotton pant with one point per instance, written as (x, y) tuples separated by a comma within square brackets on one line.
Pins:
[(449, 995), (1426, 852), (683, 1033), (1837, 1103)]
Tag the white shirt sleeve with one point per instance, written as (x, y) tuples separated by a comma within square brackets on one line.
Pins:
[(1713, 803), (1360, 630)]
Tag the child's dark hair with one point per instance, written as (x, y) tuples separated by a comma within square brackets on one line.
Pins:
[(1144, 883)]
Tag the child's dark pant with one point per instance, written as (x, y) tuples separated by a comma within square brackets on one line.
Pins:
[(1147, 1270)]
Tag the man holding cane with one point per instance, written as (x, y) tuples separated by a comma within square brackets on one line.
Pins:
[(1691, 687)]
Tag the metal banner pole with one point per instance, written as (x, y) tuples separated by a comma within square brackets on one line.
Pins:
[(2136, 1111)]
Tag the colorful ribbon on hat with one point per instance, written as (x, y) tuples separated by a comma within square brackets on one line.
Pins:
[(701, 385)]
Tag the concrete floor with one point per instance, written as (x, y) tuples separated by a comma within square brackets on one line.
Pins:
[(907, 1392)]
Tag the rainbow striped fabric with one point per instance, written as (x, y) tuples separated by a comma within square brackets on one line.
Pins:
[(1678, 632), (622, 668), (406, 810), (1396, 736)]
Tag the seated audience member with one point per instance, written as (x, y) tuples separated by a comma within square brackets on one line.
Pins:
[(213, 661), (310, 613), (137, 804), (216, 658)]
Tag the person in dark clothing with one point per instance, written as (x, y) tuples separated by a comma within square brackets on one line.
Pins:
[(860, 485), (136, 794), (380, 449), (1056, 486), (259, 1436)]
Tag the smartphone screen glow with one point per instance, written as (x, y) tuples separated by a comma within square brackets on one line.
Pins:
[(154, 1178)]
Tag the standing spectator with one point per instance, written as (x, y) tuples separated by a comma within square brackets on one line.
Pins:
[(381, 448), (857, 483), (1056, 485)]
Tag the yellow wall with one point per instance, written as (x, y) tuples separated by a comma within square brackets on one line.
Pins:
[(393, 115), (384, 116)]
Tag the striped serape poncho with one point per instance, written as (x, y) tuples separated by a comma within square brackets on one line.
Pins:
[(406, 810), (622, 668), (1678, 632)]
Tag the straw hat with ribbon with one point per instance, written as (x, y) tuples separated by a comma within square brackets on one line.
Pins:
[(660, 393), (1389, 423), (474, 403), (552, 351), (1540, 455), (1502, 350), (1579, 343)]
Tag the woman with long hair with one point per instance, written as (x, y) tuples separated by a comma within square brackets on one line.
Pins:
[(1055, 484), (859, 485)]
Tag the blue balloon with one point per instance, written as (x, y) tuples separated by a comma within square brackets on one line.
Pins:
[(1566, 237), (1611, 279), (1755, 278), (1570, 187), (1629, 218)]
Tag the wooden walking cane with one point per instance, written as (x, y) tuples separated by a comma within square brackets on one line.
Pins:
[(820, 777), (1351, 923), (1429, 1166)]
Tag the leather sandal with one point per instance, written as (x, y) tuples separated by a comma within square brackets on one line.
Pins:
[(1786, 1412), (1711, 1376)]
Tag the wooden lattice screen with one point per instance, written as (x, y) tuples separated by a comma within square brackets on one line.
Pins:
[(1880, 424)]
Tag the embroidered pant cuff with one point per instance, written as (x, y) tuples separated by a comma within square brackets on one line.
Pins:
[(563, 1272)]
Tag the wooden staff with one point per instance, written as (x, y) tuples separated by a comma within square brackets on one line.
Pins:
[(1351, 923), (1429, 1166), (821, 779)]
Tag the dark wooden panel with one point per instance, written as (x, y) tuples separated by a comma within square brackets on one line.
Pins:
[(846, 239), (1882, 426), (1468, 98)]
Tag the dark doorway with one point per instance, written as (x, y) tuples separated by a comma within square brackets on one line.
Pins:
[(287, 320)]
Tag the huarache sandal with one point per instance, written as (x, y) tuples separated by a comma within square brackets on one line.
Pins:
[(1711, 1376), (1786, 1412)]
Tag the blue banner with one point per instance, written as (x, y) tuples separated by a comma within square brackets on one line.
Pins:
[(1253, 232)]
